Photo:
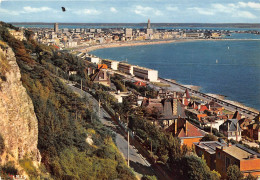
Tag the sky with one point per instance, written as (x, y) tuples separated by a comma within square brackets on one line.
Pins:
[(131, 11)]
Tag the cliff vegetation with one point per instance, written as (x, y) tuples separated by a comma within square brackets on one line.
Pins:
[(64, 119)]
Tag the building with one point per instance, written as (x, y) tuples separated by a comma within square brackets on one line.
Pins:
[(111, 63), (149, 31), (126, 68), (56, 27), (231, 129), (145, 73), (172, 109), (93, 59), (247, 160), (100, 76), (207, 149), (254, 129), (149, 24), (186, 132), (128, 32), (193, 35)]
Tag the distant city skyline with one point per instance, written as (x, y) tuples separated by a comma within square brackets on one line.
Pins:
[(131, 11)]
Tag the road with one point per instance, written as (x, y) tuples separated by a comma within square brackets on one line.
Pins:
[(137, 161)]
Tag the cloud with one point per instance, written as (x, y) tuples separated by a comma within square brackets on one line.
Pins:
[(87, 12), (8, 12), (202, 11), (233, 10), (29, 9), (172, 8), (113, 10), (147, 11), (244, 14), (252, 5)]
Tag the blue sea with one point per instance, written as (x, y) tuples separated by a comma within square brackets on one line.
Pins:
[(230, 68)]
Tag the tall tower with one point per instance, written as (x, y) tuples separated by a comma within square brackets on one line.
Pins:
[(149, 31), (56, 27), (149, 24)]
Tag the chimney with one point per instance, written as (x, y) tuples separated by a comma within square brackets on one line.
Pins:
[(175, 126), (183, 100), (199, 106), (237, 131), (186, 128), (174, 95), (209, 106), (175, 107)]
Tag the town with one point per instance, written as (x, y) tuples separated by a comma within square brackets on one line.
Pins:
[(70, 38), (221, 133)]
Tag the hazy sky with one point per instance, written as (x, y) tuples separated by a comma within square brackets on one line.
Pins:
[(131, 11)]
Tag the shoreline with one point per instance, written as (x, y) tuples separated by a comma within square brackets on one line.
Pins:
[(125, 44), (143, 43), (87, 49)]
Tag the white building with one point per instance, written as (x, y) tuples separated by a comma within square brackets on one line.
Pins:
[(126, 68), (93, 59), (111, 63), (145, 73), (128, 32)]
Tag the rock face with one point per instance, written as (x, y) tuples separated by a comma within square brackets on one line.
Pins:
[(18, 122)]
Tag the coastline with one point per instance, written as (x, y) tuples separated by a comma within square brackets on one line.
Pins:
[(87, 49), (143, 43)]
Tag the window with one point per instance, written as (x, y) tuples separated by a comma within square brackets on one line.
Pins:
[(219, 155), (227, 162)]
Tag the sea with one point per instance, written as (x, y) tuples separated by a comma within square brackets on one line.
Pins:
[(229, 67)]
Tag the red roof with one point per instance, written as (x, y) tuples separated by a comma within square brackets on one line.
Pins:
[(140, 83), (192, 131), (57, 47), (203, 108)]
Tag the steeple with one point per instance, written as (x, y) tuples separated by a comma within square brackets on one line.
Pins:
[(149, 24)]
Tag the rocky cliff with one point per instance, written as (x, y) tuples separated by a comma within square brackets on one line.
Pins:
[(18, 122)]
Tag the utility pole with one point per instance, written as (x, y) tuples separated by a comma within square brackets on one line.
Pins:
[(81, 85), (99, 108), (151, 146), (127, 143)]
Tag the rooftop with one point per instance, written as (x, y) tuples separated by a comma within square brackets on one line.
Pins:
[(240, 152), (210, 146)]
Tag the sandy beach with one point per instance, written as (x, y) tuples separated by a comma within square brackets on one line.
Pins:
[(130, 43)]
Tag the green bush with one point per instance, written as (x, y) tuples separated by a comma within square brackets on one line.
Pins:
[(2, 145)]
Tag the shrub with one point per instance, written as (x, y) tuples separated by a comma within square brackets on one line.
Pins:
[(2, 145)]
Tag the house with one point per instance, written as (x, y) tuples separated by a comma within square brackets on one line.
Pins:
[(140, 83), (231, 129), (100, 76), (187, 132), (168, 110), (247, 160), (254, 129), (172, 110), (207, 149), (215, 108)]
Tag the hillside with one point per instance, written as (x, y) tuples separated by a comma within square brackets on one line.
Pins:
[(64, 119)]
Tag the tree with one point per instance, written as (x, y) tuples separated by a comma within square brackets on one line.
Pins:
[(233, 173), (146, 177), (2, 145), (250, 177), (209, 137), (193, 167)]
